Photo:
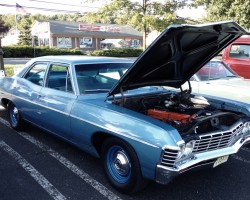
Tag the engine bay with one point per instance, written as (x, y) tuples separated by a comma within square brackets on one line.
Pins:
[(190, 115)]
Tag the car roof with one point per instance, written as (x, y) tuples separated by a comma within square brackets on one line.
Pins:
[(80, 59), (243, 39)]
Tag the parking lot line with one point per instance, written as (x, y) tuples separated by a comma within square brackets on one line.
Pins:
[(40, 179), (83, 175), (3, 121)]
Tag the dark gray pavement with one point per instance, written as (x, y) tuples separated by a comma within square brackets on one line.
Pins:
[(16, 61), (37, 165)]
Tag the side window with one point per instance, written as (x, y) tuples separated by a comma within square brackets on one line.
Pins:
[(59, 78), (37, 73), (93, 78), (240, 51)]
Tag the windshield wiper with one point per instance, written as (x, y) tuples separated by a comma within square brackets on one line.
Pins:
[(231, 76)]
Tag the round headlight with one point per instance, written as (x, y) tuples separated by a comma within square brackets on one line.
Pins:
[(246, 127)]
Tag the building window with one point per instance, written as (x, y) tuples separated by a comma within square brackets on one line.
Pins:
[(41, 42), (86, 42), (135, 43), (64, 42), (46, 41)]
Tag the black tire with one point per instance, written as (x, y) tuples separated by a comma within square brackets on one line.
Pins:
[(122, 166), (15, 119)]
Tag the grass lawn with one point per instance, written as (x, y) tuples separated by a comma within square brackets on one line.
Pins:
[(9, 69)]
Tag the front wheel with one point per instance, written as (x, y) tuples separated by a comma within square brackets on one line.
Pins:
[(15, 119), (121, 166)]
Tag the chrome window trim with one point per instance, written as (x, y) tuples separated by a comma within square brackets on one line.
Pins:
[(69, 70)]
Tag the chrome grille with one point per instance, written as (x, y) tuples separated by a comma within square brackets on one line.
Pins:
[(169, 157), (215, 140)]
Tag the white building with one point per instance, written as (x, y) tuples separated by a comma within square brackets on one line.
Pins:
[(11, 38)]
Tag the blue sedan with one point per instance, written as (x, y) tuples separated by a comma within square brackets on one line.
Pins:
[(135, 115)]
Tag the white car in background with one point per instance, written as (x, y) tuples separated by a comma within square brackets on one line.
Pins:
[(217, 79)]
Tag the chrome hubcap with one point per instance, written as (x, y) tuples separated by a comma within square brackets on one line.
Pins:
[(15, 114), (121, 163), (15, 111)]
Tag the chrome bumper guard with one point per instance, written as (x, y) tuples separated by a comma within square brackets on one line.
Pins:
[(165, 174)]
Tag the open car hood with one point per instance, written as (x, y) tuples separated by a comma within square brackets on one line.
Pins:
[(177, 54)]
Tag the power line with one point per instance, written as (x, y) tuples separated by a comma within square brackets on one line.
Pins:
[(63, 4), (44, 9)]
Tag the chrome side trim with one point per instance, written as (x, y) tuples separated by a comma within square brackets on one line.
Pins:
[(124, 135), (95, 124), (35, 103)]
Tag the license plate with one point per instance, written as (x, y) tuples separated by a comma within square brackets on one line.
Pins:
[(220, 160)]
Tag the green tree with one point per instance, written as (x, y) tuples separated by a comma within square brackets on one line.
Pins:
[(25, 37), (9, 20), (142, 14), (217, 10), (3, 28)]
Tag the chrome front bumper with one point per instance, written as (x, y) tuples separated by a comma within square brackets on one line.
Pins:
[(165, 174)]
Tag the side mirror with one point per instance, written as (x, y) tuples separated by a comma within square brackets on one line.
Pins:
[(2, 74)]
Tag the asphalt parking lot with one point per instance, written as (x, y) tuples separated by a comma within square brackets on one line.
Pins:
[(36, 165)]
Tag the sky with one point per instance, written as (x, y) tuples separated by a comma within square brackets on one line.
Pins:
[(47, 6), (74, 6)]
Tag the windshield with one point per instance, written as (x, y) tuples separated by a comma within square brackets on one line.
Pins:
[(101, 77), (215, 70)]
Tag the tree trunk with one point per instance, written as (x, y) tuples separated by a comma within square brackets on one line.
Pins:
[(1, 56), (144, 37)]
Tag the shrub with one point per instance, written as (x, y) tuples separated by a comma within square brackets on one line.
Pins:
[(116, 52), (9, 70), (29, 51)]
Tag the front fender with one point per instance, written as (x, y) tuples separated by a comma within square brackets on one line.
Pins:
[(126, 123), (146, 135)]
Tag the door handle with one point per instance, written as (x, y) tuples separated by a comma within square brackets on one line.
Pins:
[(40, 95)]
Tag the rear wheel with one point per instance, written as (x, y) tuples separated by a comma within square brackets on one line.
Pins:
[(15, 119), (121, 166)]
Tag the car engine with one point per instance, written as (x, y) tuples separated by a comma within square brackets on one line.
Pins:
[(190, 115)]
